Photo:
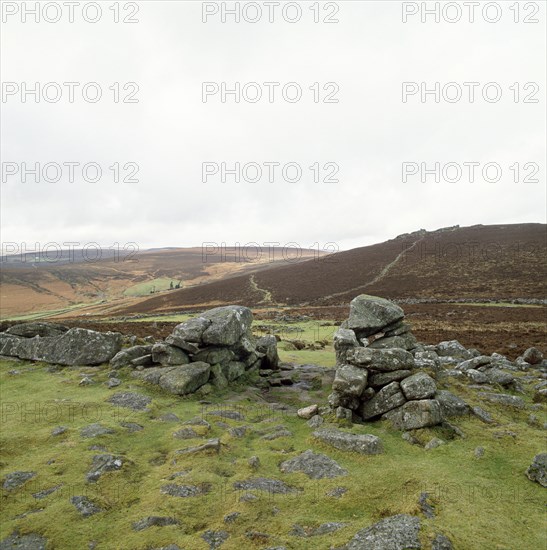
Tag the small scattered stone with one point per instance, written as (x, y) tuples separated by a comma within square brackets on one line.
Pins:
[(434, 443), (113, 382), (537, 471), (337, 492), (209, 445), (271, 486), (58, 430), (483, 415), (185, 491), (440, 542), (185, 433), (46, 492), (426, 507), (315, 466), (101, 464), (214, 538), (132, 426), (169, 417), (131, 400), (14, 480), (254, 462), (307, 412), (230, 518), (315, 421), (154, 521), (95, 430), (85, 506), (478, 452), (30, 541)]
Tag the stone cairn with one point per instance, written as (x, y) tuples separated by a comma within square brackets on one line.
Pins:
[(376, 374), (216, 347)]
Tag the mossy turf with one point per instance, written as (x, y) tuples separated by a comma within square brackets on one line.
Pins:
[(480, 503)]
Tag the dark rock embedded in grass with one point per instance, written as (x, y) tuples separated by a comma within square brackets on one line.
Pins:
[(95, 430), (440, 542), (451, 405), (323, 529), (14, 480), (209, 445), (315, 466), (185, 433), (364, 444), (215, 538), (230, 518), (154, 521), (101, 464), (503, 399), (230, 414), (132, 426), (537, 471), (272, 486), (483, 415), (46, 492), (185, 491), (169, 417), (131, 400), (31, 541), (400, 532), (337, 492), (85, 506)]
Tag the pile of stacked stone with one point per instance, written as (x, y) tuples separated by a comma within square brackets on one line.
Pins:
[(377, 375), (216, 347)]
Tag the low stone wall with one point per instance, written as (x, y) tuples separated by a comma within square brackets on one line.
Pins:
[(215, 347)]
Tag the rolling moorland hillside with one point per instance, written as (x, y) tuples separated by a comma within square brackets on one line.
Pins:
[(497, 262)]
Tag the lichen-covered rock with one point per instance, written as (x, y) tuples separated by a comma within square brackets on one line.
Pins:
[(400, 532), (388, 398), (369, 314), (315, 466), (37, 328), (380, 379), (364, 444), (168, 355), (124, 357), (451, 405), (30, 541), (186, 378), (227, 325), (419, 386), (350, 380), (415, 414), (452, 348), (533, 356), (537, 471), (382, 360)]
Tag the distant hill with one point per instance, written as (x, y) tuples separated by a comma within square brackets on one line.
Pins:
[(482, 262), (49, 282)]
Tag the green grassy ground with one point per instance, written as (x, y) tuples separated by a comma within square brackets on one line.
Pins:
[(485, 503), (149, 287)]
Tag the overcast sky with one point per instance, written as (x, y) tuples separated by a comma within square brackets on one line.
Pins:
[(170, 132)]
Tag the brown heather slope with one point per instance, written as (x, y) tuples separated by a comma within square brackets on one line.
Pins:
[(497, 262)]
